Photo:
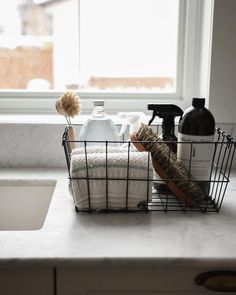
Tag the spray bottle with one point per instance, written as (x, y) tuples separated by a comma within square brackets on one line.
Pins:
[(132, 120), (167, 112)]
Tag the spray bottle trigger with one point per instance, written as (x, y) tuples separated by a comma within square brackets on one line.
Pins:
[(153, 117)]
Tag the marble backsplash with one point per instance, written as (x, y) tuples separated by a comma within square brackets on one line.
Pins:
[(40, 145), (31, 145)]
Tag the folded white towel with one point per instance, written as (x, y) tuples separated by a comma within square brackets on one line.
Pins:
[(90, 180), (90, 149)]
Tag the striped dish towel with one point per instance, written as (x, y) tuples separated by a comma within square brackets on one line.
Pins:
[(127, 174)]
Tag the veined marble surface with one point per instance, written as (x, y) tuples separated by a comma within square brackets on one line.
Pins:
[(156, 239)]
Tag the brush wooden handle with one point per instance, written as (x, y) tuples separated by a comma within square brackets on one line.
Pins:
[(71, 136), (171, 184)]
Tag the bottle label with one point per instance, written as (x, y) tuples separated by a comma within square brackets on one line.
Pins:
[(196, 157)]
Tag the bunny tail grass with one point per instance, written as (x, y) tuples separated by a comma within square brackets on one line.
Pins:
[(68, 104)]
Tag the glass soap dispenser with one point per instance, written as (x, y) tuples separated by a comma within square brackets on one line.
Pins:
[(99, 127)]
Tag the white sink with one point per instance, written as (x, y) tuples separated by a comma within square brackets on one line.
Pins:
[(24, 203)]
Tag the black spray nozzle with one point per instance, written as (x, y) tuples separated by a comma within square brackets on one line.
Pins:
[(164, 111), (167, 112)]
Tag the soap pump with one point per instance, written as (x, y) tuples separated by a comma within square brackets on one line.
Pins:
[(167, 112)]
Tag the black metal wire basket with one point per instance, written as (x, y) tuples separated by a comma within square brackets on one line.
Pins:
[(110, 176)]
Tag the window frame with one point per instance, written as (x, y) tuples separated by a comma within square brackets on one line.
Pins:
[(188, 69)]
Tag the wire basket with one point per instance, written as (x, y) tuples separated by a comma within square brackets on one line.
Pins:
[(110, 176)]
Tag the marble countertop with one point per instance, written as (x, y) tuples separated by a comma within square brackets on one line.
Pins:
[(157, 238)]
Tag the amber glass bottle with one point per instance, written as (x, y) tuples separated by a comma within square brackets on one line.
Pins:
[(195, 142)]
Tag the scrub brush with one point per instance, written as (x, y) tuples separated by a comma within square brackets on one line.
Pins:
[(167, 166), (68, 105)]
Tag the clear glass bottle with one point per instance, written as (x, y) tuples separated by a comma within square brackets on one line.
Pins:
[(99, 127)]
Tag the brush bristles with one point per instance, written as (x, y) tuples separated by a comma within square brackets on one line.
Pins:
[(69, 104), (173, 168)]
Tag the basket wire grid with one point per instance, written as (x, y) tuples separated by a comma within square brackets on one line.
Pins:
[(223, 154)]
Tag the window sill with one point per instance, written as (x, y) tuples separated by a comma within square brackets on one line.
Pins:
[(39, 119), (31, 119), (44, 103), (51, 119)]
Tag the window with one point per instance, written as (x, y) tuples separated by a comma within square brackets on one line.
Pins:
[(123, 43), (116, 49)]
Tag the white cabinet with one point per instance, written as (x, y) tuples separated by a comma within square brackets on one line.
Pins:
[(26, 281), (101, 281), (129, 281)]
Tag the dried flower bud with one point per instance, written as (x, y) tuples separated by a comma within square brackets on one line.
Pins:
[(68, 104)]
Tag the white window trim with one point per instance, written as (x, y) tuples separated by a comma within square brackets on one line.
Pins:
[(187, 85)]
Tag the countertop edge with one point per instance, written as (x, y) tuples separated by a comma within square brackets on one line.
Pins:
[(128, 262)]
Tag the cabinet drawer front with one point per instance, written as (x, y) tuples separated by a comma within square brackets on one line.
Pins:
[(129, 281), (27, 281), (148, 293)]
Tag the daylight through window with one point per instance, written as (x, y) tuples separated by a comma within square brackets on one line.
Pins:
[(89, 45)]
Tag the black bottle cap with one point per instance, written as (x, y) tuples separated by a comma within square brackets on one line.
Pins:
[(198, 102)]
